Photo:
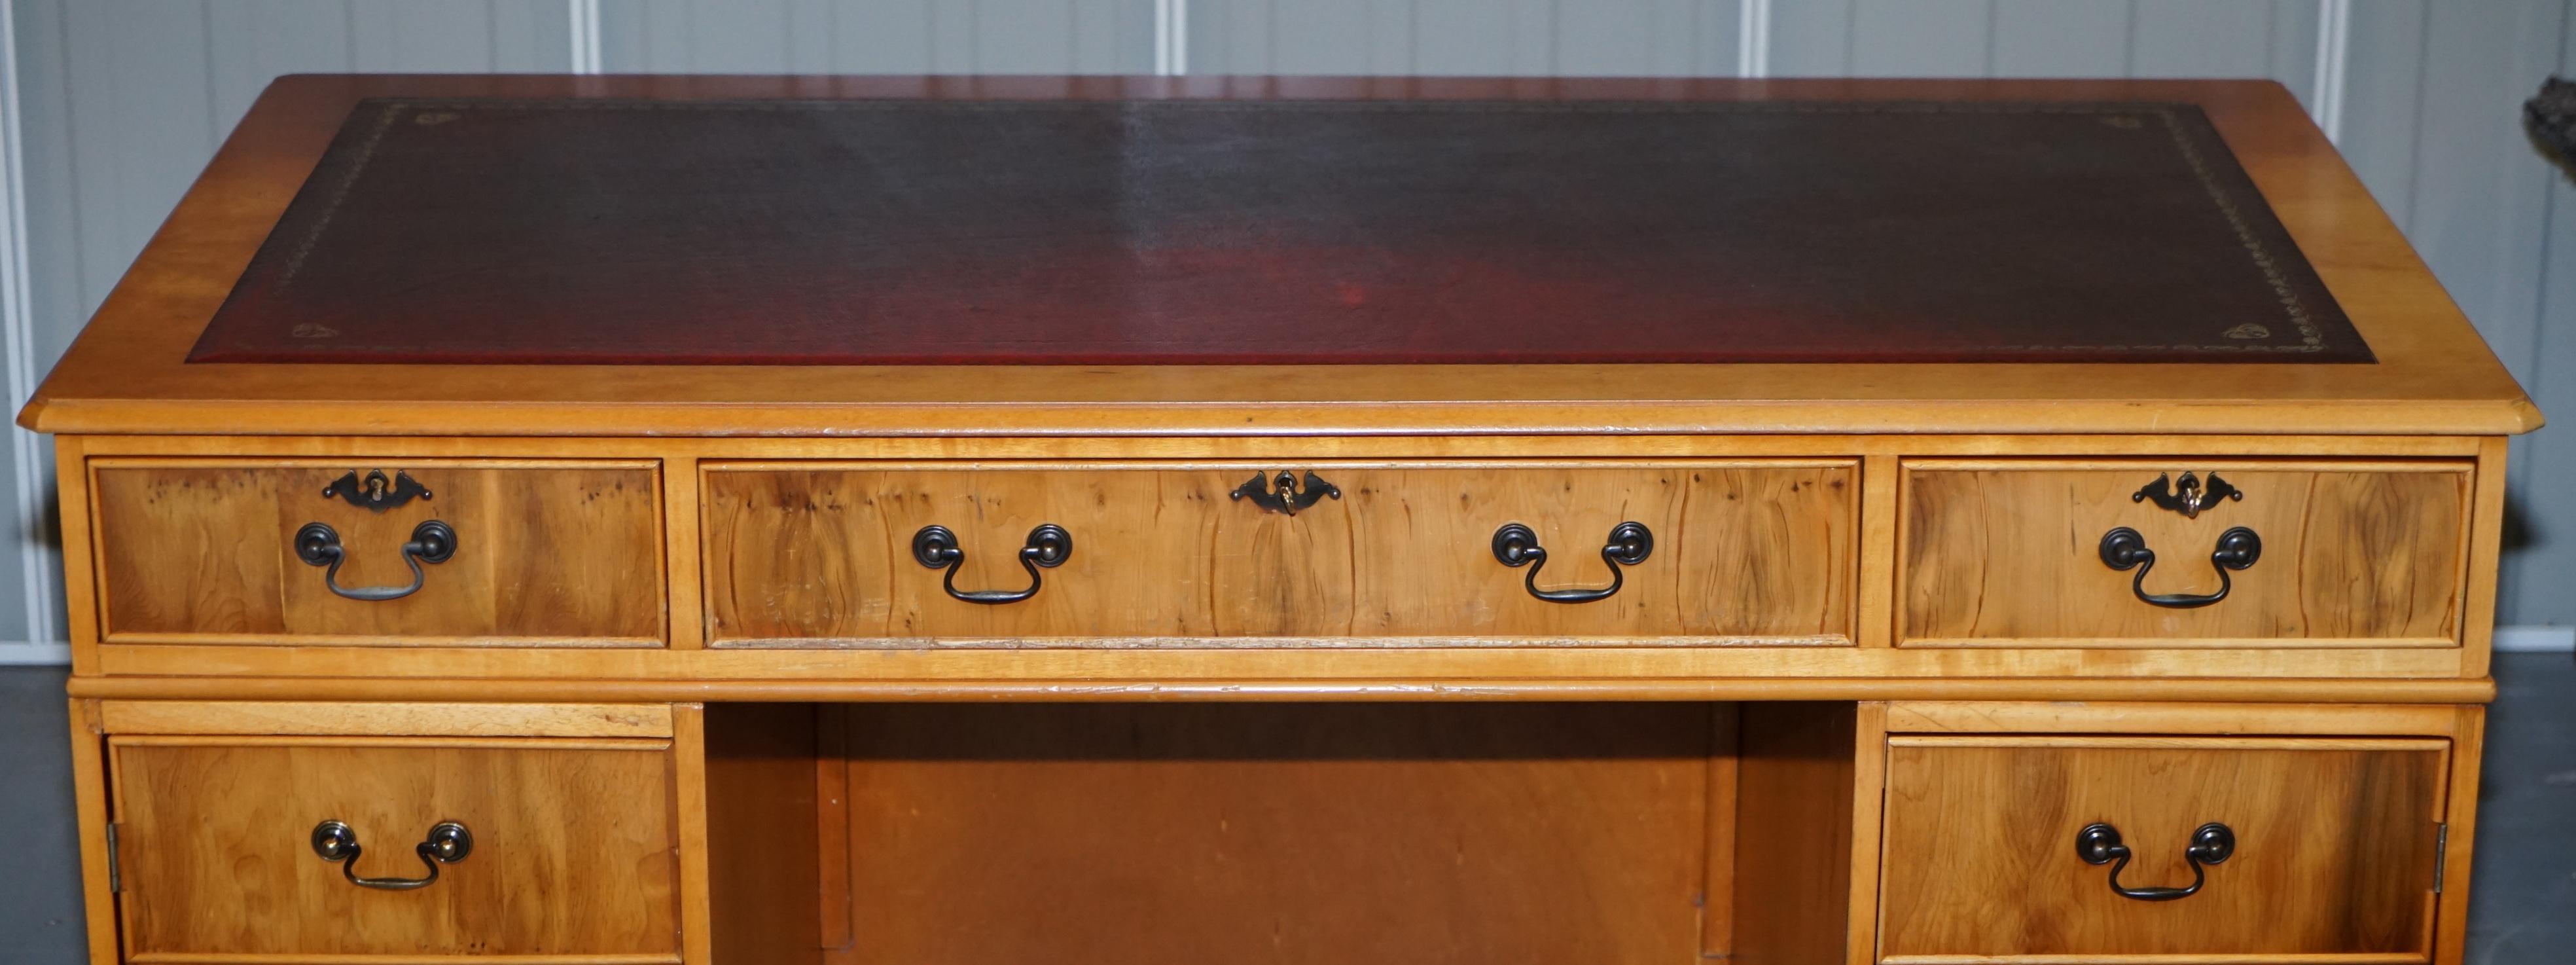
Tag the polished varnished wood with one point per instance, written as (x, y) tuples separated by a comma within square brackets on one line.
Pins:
[(1217, 743), (2131, 717), (2460, 834), (765, 891), (1744, 552), (385, 720), (1993, 673), (573, 852), (99, 907), (2006, 553), (2335, 847), (1274, 689), (203, 551), (1395, 834), (1793, 853), (126, 374)]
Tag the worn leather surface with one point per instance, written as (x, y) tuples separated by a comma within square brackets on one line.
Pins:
[(1277, 232)]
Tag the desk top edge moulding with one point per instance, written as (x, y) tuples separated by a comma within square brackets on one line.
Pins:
[(1154, 521), (522, 291)]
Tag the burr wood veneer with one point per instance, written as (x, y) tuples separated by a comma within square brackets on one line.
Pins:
[(1125, 551)]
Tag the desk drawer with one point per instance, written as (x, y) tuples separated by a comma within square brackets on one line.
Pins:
[(1378, 555), (2333, 840), (568, 848), (521, 552), (2048, 553)]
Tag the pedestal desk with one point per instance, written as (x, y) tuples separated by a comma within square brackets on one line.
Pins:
[(957, 520)]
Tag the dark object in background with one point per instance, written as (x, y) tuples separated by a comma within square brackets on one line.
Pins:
[(2551, 116)]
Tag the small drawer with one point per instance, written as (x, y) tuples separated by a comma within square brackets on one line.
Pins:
[(2023, 848), (1336, 554), (2162, 553), (560, 553), (538, 847)]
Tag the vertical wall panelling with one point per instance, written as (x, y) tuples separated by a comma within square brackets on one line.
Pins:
[(2060, 38), (2334, 42), (2278, 39), (36, 642), (582, 20), (1630, 38), (1920, 38), (1472, 37), (49, 266), (2543, 570), (2383, 99), (1810, 38), (248, 42), (1171, 37), (405, 37), (2482, 216), (878, 36), (1026, 36), (2227, 38), (1649, 38), (1753, 39)]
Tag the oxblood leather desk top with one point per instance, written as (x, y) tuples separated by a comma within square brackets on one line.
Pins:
[(873, 232), (729, 256)]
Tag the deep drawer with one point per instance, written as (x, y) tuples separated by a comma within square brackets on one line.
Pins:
[(570, 848), (531, 553), (834, 554), (2320, 847), (2043, 553)]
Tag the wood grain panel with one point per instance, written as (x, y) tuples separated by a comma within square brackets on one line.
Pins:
[(573, 846), (383, 719), (1793, 830), (2335, 847), (2007, 554), (2112, 717), (91, 812), (1744, 551), (1526, 833), (547, 552), (763, 888)]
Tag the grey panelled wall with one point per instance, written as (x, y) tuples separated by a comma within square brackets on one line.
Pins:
[(112, 106), (878, 36)]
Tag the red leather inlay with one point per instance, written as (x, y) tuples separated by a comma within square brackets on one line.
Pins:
[(1166, 232)]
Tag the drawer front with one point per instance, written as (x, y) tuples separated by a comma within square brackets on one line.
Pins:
[(539, 553), (825, 555), (571, 850), (2334, 843), (2014, 553)]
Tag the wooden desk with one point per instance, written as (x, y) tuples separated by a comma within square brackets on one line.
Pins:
[(1234, 536)]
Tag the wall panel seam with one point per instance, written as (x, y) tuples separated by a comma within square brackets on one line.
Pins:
[(584, 17), (1171, 37), (15, 332), (1753, 39), (2334, 48)]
